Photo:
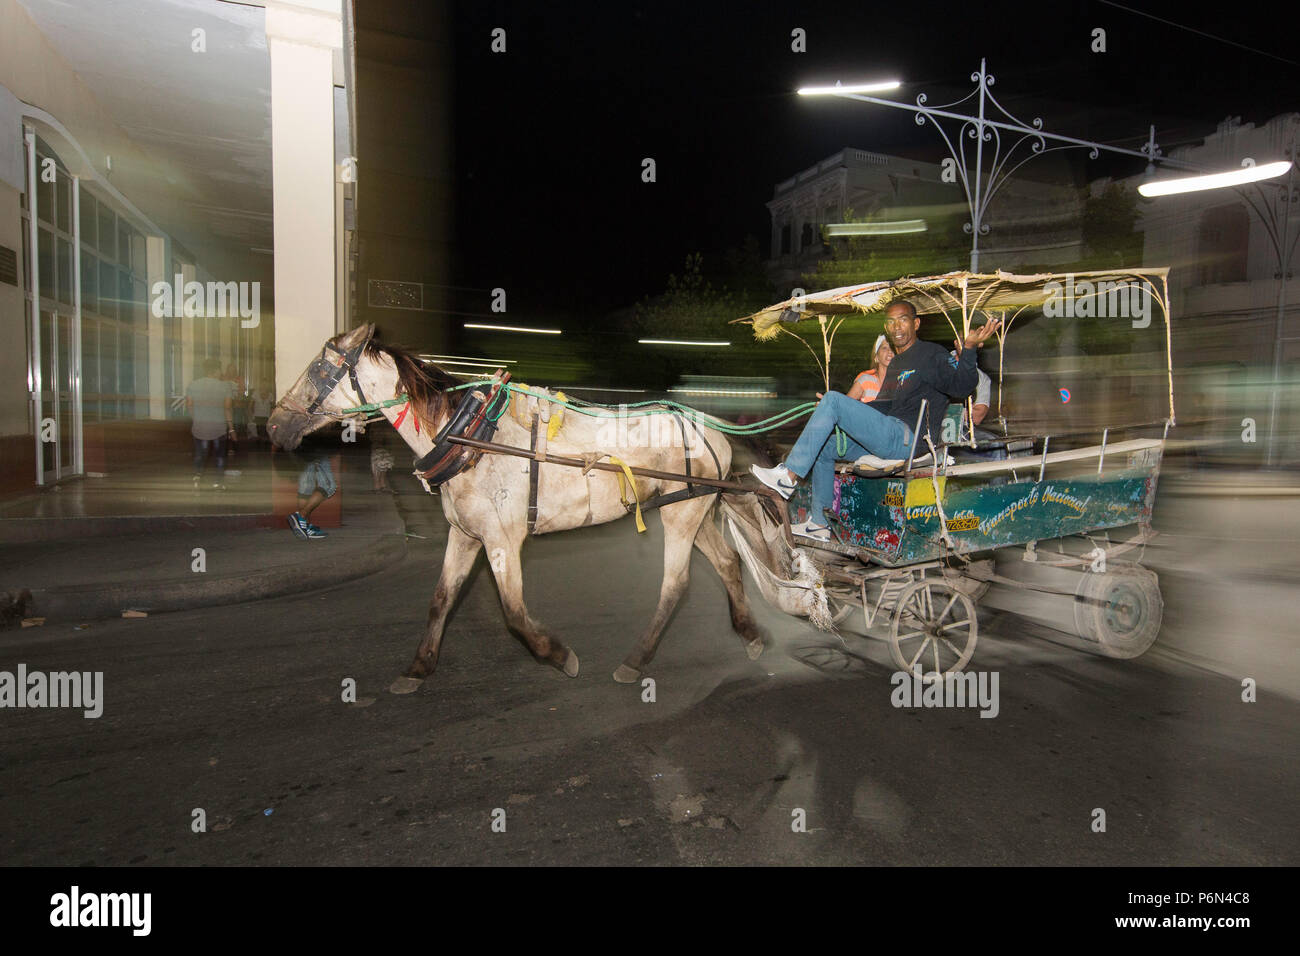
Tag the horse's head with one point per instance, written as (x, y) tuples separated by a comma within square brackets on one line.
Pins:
[(323, 392)]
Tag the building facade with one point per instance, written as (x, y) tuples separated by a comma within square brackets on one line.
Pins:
[(1232, 254), (1033, 221), (174, 182)]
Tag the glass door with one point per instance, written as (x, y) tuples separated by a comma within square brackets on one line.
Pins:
[(58, 401), (47, 422), (65, 359)]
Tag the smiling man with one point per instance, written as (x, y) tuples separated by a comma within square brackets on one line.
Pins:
[(920, 371)]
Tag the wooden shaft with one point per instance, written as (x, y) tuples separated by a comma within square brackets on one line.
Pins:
[(643, 472), (605, 465)]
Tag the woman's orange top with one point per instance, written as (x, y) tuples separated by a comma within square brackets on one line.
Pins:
[(870, 385)]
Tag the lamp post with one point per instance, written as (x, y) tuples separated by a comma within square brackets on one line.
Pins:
[(987, 128)]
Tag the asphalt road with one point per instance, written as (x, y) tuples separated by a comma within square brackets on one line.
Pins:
[(237, 712)]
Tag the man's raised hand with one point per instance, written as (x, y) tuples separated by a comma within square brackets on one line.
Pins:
[(977, 337)]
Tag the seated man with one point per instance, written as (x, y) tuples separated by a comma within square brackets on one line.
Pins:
[(919, 371)]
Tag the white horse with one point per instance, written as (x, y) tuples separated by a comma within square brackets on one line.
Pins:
[(487, 505)]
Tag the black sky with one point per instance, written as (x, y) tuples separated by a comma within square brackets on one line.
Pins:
[(549, 136)]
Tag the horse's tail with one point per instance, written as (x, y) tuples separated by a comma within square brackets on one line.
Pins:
[(789, 580)]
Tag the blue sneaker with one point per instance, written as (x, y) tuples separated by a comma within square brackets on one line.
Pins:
[(315, 532), (298, 525)]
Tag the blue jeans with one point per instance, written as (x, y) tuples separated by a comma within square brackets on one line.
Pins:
[(317, 474), (201, 453), (869, 432)]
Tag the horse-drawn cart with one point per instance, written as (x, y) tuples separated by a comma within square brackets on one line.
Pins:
[(914, 540), (916, 543)]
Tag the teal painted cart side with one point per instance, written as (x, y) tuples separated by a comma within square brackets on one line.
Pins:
[(895, 521)]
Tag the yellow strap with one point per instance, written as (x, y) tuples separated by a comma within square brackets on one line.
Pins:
[(622, 492), (557, 417)]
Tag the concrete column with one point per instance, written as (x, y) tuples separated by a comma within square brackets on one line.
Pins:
[(158, 267), (187, 333), (303, 37), (341, 317)]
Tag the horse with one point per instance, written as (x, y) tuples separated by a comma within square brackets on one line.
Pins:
[(487, 505)]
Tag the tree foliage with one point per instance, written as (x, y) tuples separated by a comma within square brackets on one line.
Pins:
[(1110, 239), (699, 304)]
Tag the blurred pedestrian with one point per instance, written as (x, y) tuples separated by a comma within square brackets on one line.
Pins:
[(262, 411), (381, 463), (210, 405), (315, 484), (238, 403)]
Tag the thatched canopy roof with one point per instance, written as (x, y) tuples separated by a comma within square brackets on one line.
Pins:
[(962, 292)]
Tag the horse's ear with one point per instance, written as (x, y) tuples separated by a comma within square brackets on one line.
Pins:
[(355, 337)]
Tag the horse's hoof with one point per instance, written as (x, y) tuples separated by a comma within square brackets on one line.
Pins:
[(754, 648), (571, 664), (405, 685), (626, 675)]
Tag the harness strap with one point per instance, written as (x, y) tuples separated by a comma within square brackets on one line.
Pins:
[(356, 383), (686, 452), (622, 494), (685, 494), (447, 459), (532, 477)]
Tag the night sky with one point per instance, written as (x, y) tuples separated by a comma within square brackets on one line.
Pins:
[(549, 136)]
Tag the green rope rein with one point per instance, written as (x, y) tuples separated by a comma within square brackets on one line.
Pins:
[(596, 410)]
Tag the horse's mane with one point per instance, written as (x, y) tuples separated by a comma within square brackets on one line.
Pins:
[(426, 385)]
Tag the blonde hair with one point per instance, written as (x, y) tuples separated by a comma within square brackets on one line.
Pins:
[(875, 349)]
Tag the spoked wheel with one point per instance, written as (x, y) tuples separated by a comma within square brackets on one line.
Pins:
[(934, 629)]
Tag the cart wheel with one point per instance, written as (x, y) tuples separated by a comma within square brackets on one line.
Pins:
[(840, 602), (1119, 611), (934, 629)]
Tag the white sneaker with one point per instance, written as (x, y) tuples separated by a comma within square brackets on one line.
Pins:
[(806, 529), (777, 478)]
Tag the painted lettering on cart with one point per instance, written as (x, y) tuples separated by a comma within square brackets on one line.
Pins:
[(1027, 500), (1070, 501), (965, 520)]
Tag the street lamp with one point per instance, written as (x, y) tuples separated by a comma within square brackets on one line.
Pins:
[(985, 130), (1234, 177)]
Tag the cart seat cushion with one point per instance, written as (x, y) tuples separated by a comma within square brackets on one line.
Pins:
[(869, 466), (871, 462)]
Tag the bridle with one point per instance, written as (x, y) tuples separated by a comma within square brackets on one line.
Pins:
[(473, 416), (324, 375)]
